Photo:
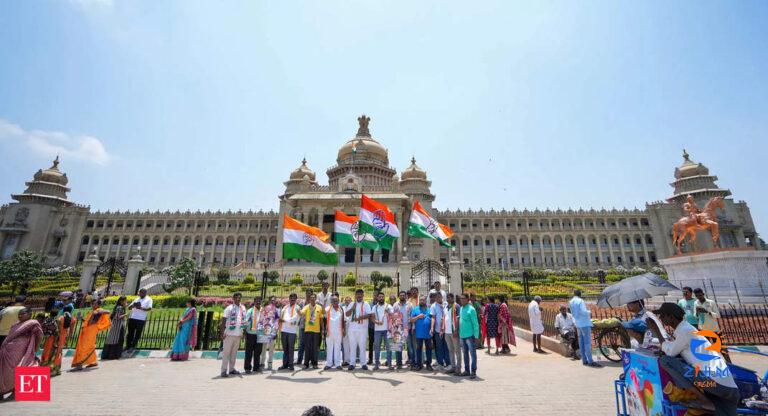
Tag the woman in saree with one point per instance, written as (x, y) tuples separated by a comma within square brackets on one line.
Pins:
[(186, 337), (56, 328), (85, 352), (18, 349), (113, 346), (506, 328)]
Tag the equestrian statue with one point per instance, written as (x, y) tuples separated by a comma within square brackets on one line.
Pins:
[(697, 220)]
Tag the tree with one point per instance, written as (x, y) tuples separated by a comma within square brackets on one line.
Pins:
[(322, 276), (182, 275), (273, 276), (21, 269), (380, 281)]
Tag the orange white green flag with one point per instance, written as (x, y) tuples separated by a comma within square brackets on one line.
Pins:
[(423, 225), (377, 220), (300, 241), (346, 231)]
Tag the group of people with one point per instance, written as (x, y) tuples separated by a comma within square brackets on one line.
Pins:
[(21, 335), (438, 322)]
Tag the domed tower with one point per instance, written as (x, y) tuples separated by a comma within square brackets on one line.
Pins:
[(362, 157), (301, 178), (414, 183), (43, 220), (693, 179)]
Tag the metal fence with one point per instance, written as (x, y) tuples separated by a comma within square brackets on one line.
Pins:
[(160, 330), (742, 325)]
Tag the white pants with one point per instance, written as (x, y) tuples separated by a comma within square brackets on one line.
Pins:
[(454, 350), (345, 347), (269, 346), (229, 353), (333, 350), (357, 339)]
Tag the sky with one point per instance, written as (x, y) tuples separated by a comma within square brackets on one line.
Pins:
[(209, 105)]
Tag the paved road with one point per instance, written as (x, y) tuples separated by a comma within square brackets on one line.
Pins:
[(527, 383)]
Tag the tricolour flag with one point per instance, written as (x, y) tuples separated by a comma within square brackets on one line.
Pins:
[(300, 241), (376, 219), (422, 225), (347, 232)]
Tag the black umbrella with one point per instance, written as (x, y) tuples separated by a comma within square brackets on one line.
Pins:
[(634, 288)]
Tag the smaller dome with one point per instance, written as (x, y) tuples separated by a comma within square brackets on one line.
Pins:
[(303, 171), (52, 174), (413, 171), (690, 168)]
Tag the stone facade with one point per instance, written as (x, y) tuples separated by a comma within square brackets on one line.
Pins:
[(44, 220)]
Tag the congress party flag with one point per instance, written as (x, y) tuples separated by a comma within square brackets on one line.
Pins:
[(300, 241), (422, 225), (347, 232), (376, 219)]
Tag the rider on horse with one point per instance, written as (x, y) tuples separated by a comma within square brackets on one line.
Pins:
[(692, 209)]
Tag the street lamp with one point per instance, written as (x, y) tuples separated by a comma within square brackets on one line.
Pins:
[(198, 273)]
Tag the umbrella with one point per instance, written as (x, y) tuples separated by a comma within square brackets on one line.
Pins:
[(634, 288), (65, 294)]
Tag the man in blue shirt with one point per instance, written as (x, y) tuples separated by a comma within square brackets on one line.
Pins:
[(421, 322), (582, 318)]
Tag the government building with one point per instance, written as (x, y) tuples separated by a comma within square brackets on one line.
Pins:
[(43, 219)]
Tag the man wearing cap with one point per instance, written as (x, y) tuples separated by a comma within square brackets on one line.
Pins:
[(690, 346)]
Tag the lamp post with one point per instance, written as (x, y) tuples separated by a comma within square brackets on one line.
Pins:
[(198, 273), (264, 266)]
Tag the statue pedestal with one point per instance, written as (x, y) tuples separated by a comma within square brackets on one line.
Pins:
[(728, 275)]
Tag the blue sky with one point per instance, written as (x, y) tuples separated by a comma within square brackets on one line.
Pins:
[(210, 105)]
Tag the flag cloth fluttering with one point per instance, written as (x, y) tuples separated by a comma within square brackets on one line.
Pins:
[(376, 219), (423, 225), (347, 232), (300, 241)]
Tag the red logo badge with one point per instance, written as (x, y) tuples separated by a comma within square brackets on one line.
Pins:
[(33, 384)]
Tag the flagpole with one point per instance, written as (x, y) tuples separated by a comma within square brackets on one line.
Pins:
[(357, 260)]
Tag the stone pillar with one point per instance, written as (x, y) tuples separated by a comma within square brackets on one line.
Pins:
[(454, 271), (132, 275), (89, 268), (404, 269)]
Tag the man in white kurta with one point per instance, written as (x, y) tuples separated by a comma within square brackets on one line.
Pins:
[(334, 314), (358, 313), (537, 325)]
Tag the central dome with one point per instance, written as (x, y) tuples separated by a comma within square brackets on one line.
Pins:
[(52, 174), (363, 147), (690, 168)]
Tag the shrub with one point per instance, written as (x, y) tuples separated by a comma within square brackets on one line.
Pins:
[(249, 279), (350, 279), (273, 276), (296, 279), (322, 275), (222, 275)]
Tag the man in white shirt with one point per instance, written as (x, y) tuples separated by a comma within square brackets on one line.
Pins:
[(436, 289), (381, 312), (537, 325), (706, 311), (451, 314), (139, 308), (231, 328), (289, 318), (566, 327), (358, 313), (334, 334), (692, 348)]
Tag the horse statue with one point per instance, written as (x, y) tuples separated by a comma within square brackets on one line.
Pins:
[(706, 219)]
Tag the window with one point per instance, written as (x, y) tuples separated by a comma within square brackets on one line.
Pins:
[(85, 240), (464, 243)]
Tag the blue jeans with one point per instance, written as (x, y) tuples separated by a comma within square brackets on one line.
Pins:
[(469, 350), (378, 338), (585, 344), (440, 349), (300, 358), (420, 343)]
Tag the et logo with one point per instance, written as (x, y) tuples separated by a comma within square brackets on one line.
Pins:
[(32, 384)]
